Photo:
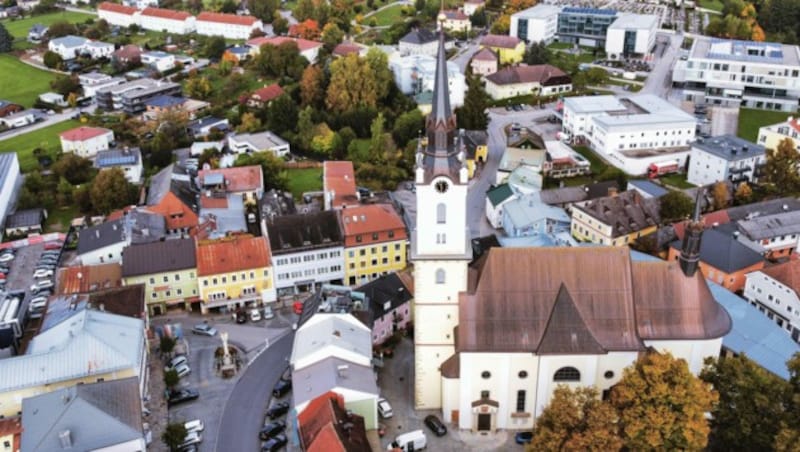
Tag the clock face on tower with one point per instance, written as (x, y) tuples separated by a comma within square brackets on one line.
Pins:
[(441, 186)]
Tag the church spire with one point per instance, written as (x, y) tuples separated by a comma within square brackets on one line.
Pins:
[(441, 121), (690, 251)]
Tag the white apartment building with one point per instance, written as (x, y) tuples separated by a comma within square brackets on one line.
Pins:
[(93, 81), (774, 291), (418, 42), (86, 142), (258, 142), (536, 24), (9, 182), (630, 132), (119, 15), (762, 75), (724, 158), (158, 60), (415, 74), (229, 26), (631, 35), (159, 19), (770, 136)]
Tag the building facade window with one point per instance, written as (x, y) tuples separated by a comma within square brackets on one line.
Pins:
[(521, 401), (567, 374), (440, 276), (441, 213), (486, 375)]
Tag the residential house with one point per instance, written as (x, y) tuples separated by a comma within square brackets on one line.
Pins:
[(455, 20), (647, 189), (523, 152), (86, 141), (234, 272), (308, 49), (325, 425), (476, 149), (55, 99), (156, 106), (509, 49), (7, 108), (770, 136), (198, 147), (238, 52), (336, 350), (617, 219), (166, 20), (118, 15), (128, 160), (528, 216), (496, 197), (307, 250), (68, 47), (725, 158), (536, 24), (345, 48), (158, 60), (375, 242), (416, 74), (10, 182), (128, 55), (262, 97), (776, 235), (538, 80), (202, 127), (24, 222), (774, 291), (388, 301), (131, 97), (77, 279), (339, 185), (246, 182), (22, 118), (37, 32), (230, 26), (484, 62), (141, 4), (93, 81), (105, 242), (168, 271), (632, 36), (563, 161), (176, 200), (57, 419), (258, 142), (419, 41), (114, 345)]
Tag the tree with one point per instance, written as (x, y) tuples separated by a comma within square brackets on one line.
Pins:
[(352, 85), (76, 170), (312, 86), (419, 5), (781, 170), (537, 53), (66, 84), (166, 345), (72, 100), (325, 140), (303, 10), (576, 420), (478, 19), (229, 7), (744, 194), (751, 404), (378, 64), (472, 115), (332, 35), (174, 435), (282, 115), (720, 195), (661, 405), (675, 205), (250, 123), (52, 59), (274, 174), (110, 190), (305, 127), (279, 24), (214, 47), (377, 141), (264, 9), (61, 28), (171, 378), (6, 40), (307, 29), (283, 60), (198, 87), (64, 192), (407, 127), (789, 434)]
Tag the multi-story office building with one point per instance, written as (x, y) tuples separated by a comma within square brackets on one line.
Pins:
[(375, 242), (724, 158), (763, 75), (537, 24), (585, 26), (131, 97), (631, 35)]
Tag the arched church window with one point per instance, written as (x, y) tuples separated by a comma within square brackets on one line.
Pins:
[(567, 374), (441, 213)]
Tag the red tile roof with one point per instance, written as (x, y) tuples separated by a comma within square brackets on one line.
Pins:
[(12, 427), (367, 220), (787, 274), (709, 220), (302, 44), (322, 426), (166, 13), (346, 48), (238, 179), (241, 252), (176, 214), (89, 278), (267, 93), (232, 19), (83, 133), (339, 180), (503, 41), (485, 54), (117, 8), (794, 124)]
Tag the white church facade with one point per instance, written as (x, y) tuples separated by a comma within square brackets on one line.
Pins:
[(495, 336)]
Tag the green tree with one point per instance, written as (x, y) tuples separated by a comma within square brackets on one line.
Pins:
[(305, 127), (419, 5), (76, 170), (198, 87), (662, 406), (283, 60), (537, 53), (282, 115), (250, 123), (331, 36), (110, 190), (174, 435), (229, 7), (214, 47), (82, 198), (751, 404), (61, 28), (325, 141), (472, 115), (478, 19), (275, 175), (64, 192), (378, 64), (6, 40), (377, 140), (52, 60), (166, 345), (264, 9), (719, 193), (781, 170), (171, 378), (304, 10), (66, 84), (675, 205), (352, 85), (788, 437), (279, 24), (312, 86), (407, 127), (576, 420), (744, 194)]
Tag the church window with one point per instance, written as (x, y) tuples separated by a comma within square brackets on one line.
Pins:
[(486, 375), (441, 186), (521, 401), (440, 276), (609, 374), (484, 394), (567, 374), (441, 213), (522, 374)]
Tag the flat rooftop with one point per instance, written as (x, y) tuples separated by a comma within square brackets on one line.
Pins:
[(635, 21), (729, 147), (746, 51)]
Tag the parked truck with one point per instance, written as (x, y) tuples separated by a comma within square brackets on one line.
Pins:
[(661, 168)]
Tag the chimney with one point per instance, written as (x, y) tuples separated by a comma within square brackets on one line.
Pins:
[(690, 250), (65, 438)]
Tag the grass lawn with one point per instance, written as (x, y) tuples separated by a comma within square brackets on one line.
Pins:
[(597, 164), (59, 218), (751, 120), (19, 28), (46, 138), (386, 17), (715, 5), (22, 83), (560, 45), (676, 180), (302, 180)]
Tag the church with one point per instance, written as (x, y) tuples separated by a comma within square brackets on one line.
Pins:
[(495, 336)]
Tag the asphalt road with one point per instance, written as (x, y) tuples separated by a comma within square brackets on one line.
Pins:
[(659, 82), (48, 121), (243, 415)]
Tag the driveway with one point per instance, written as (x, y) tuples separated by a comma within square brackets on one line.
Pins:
[(659, 82), (48, 121)]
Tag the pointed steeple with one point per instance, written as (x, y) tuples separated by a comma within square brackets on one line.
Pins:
[(441, 121), (690, 250)]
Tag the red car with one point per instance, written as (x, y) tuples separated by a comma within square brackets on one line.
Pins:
[(298, 307), (52, 246)]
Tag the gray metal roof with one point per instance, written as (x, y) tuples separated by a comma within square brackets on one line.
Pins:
[(69, 41), (729, 147), (8, 160), (648, 187), (723, 252), (25, 218), (764, 208), (96, 415), (419, 36), (529, 209), (388, 288), (316, 379), (771, 226), (101, 236), (159, 257)]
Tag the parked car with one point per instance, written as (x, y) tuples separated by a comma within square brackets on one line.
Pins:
[(175, 362), (204, 330), (268, 314), (278, 410), (255, 315), (384, 409), (523, 437), (8, 257), (415, 440), (282, 388), (194, 426), (241, 316), (192, 438), (181, 396), (183, 370), (275, 443), (43, 284), (272, 429), (42, 273), (435, 425)]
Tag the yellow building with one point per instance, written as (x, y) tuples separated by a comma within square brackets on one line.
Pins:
[(770, 136), (168, 270), (477, 149), (234, 272), (87, 347), (374, 242), (616, 220), (510, 49)]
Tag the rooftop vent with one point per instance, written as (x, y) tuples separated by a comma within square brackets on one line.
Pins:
[(65, 438)]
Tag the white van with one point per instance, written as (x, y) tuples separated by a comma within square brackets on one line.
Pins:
[(194, 426), (255, 315), (384, 409), (416, 438)]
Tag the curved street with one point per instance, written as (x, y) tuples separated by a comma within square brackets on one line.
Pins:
[(243, 415)]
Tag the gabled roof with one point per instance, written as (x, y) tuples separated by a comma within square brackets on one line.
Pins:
[(95, 415), (501, 41), (346, 48), (370, 218), (329, 335), (116, 8), (322, 376), (386, 289), (722, 251), (101, 236), (339, 180), (298, 232), (485, 54), (236, 179), (324, 426), (566, 332), (159, 257), (419, 36), (241, 252), (499, 193), (626, 213), (268, 93), (787, 273), (26, 218), (539, 73), (83, 133), (88, 278), (231, 19), (454, 14), (165, 13)]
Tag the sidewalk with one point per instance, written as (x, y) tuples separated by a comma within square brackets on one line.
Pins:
[(159, 416)]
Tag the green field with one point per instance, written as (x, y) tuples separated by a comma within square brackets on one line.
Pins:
[(751, 120), (715, 5), (304, 180), (46, 138), (676, 180), (22, 83), (19, 28), (386, 17)]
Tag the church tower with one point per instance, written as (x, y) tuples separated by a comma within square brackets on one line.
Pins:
[(440, 248)]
